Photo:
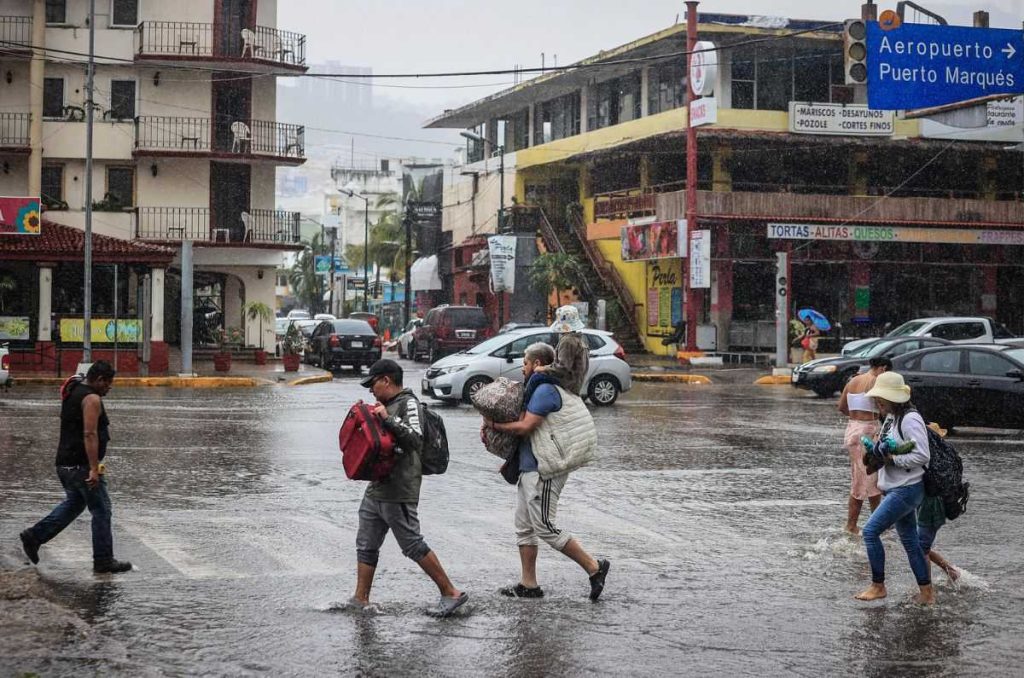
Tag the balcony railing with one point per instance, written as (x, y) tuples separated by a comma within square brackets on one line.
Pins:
[(15, 32), (186, 40), (242, 138), (14, 130), (200, 224)]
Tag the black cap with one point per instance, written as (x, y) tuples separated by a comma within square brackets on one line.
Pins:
[(385, 367)]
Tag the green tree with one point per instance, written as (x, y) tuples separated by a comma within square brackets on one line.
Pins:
[(306, 284), (554, 272)]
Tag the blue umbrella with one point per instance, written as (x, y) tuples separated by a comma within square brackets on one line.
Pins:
[(820, 321)]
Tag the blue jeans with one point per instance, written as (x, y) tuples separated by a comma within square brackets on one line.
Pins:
[(926, 535), (899, 508), (78, 497)]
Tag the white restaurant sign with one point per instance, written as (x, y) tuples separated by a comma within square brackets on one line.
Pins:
[(704, 111), (700, 259), (849, 120)]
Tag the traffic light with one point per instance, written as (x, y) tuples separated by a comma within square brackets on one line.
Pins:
[(855, 52)]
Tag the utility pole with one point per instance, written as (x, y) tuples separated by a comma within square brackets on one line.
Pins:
[(334, 246), (407, 314), (501, 223), (90, 74), (690, 295)]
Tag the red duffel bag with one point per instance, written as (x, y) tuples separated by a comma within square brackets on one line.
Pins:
[(367, 448)]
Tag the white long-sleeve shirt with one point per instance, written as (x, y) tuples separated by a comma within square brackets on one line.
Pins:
[(905, 469)]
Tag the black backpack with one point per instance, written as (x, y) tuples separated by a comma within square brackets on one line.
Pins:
[(944, 475), (434, 456)]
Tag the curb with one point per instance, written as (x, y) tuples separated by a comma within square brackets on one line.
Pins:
[(698, 379), (774, 380), (168, 382), (317, 379)]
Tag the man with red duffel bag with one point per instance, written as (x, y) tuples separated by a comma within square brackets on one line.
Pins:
[(391, 503)]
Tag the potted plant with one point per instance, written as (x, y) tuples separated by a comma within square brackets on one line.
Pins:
[(291, 348), (227, 339), (257, 310)]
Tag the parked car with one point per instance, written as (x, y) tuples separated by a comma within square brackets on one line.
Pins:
[(959, 330), (825, 376), (449, 329), (5, 366), (969, 385), (508, 327), (344, 342), (368, 317), (298, 314), (405, 339), (458, 376)]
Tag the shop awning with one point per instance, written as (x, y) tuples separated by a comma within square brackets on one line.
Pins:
[(425, 274), (56, 242)]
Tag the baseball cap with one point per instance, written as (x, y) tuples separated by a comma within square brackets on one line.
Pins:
[(381, 368)]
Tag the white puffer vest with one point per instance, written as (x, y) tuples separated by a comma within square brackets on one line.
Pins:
[(566, 440)]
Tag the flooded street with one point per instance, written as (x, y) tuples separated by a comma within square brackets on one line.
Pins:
[(719, 507)]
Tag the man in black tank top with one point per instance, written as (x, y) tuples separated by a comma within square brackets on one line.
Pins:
[(84, 434)]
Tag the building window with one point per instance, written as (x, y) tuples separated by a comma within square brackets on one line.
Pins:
[(666, 87), (556, 119), (53, 97), (56, 11), (616, 101), (120, 186), (122, 99), (52, 185), (124, 13)]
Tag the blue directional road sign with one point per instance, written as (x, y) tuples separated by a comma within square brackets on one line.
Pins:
[(322, 264), (924, 65)]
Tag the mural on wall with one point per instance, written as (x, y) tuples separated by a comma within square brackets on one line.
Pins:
[(664, 296)]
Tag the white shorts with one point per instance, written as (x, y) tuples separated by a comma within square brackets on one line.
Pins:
[(536, 507)]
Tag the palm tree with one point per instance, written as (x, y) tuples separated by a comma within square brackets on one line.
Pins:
[(307, 285), (554, 272)]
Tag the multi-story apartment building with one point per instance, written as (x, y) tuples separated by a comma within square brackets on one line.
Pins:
[(186, 142), (884, 218)]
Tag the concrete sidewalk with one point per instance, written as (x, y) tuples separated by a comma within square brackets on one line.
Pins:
[(241, 375)]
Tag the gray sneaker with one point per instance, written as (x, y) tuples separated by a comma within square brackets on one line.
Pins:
[(446, 606)]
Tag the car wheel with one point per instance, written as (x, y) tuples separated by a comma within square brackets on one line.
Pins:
[(325, 362), (412, 351), (472, 386), (433, 355), (823, 392), (401, 353), (604, 390)]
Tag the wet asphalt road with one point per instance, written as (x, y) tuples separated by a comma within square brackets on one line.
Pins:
[(720, 508)]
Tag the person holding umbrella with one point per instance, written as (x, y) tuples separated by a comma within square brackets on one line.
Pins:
[(814, 324)]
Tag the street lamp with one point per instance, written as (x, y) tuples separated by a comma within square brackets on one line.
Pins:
[(500, 148), (350, 190)]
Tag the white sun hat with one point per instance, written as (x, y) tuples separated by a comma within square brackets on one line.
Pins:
[(567, 319)]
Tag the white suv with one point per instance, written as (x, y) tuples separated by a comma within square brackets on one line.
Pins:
[(457, 377)]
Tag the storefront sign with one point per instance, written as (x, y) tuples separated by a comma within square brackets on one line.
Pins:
[(654, 240), (15, 328), (849, 120), (700, 260), (20, 216), (503, 262), (104, 330), (703, 68), (704, 112), (625, 204), (664, 296), (954, 236), (322, 264), (1005, 123)]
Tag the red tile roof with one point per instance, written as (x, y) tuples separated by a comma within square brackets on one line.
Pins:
[(64, 243)]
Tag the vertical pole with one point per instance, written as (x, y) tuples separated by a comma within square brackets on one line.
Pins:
[(334, 246), (501, 224), (689, 295), (91, 68), (781, 307), (366, 254), (186, 307), (36, 74), (407, 314), (116, 289)]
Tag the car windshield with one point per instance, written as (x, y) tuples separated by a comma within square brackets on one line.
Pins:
[(281, 325), (878, 348), (906, 329), (999, 331), (492, 344), (352, 327), (1015, 353), (865, 350), (468, 318)]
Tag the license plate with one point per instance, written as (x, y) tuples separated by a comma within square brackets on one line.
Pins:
[(465, 334), (796, 377), (425, 386), (356, 344)]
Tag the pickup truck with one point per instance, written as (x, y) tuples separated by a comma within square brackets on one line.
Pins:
[(959, 330)]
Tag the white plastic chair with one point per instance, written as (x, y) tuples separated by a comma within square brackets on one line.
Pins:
[(249, 42), (247, 224), (242, 137)]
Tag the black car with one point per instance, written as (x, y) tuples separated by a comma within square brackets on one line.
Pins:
[(967, 385), (344, 342), (825, 376)]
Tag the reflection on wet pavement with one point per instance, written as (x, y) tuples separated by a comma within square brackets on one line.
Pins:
[(720, 508)]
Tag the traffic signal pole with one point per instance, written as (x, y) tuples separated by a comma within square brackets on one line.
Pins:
[(689, 294)]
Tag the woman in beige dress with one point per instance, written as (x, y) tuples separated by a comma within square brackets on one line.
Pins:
[(862, 421)]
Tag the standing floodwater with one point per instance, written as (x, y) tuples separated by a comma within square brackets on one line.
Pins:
[(722, 508)]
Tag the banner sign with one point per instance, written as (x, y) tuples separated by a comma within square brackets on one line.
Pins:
[(1004, 122), (654, 240), (839, 119), (704, 112), (925, 65), (700, 260), (128, 330), (322, 264), (955, 236), (20, 216), (664, 297), (15, 328), (503, 262)]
